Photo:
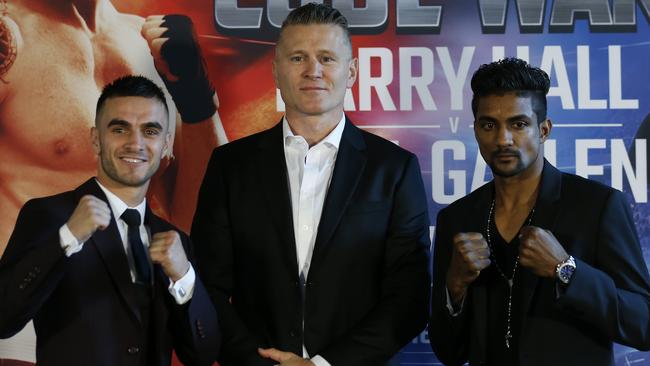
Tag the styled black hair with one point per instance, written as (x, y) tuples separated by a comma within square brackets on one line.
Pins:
[(512, 75), (130, 86), (314, 13)]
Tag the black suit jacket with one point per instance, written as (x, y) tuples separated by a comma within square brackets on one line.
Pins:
[(84, 306), (607, 300), (367, 291)]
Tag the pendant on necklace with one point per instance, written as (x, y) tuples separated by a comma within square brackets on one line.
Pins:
[(502, 274)]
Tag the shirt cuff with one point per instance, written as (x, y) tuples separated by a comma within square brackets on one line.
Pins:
[(453, 311), (183, 289), (319, 361), (69, 243)]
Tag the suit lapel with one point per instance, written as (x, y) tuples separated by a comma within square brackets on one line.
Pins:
[(159, 311), (349, 166), (478, 223), (109, 245), (156, 225), (272, 170), (544, 217)]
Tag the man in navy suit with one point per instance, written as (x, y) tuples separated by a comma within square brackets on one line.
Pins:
[(105, 280), (314, 234), (537, 267)]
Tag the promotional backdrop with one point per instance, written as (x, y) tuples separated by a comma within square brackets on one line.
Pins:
[(416, 59)]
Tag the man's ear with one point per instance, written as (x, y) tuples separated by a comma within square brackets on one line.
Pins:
[(353, 72), (545, 128), (94, 137), (275, 73), (168, 138)]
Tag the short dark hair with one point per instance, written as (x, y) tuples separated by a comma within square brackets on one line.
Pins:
[(314, 13), (130, 86), (512, 75)]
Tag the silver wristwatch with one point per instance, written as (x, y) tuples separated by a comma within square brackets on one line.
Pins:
[(564, 270)]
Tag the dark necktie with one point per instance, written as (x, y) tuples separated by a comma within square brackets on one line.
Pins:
[(142, 272)]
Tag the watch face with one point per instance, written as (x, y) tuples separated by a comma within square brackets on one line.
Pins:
[(566, 271)]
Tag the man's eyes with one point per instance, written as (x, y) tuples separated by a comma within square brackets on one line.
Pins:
[(152, 132)]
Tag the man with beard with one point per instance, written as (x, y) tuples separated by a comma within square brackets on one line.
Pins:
[(537, 267), (105, 280)]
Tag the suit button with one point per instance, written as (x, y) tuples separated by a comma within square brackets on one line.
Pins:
[(21, 286), (133, 350), (292, 333)]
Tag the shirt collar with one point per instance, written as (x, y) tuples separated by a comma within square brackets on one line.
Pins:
[(118, 206), (332, 139)]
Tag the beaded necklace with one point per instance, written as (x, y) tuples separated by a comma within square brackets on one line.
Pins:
[(510, 281)]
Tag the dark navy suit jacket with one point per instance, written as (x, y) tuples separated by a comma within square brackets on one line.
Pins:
[(368, 287), (607, 300), (84, 306)]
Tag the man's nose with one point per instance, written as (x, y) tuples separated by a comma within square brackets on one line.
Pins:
[(313, 68), (504, 136), (135, 141)]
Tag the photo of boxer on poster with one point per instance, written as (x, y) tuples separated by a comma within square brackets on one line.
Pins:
[(55, 58)]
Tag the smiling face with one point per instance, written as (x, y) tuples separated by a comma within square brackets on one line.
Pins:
[(509, 137), (130, 137), (313, 67)]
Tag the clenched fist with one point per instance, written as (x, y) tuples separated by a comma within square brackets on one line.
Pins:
[(91, 214), (540, 251), (177, 57), (470, 255), (167, 250)]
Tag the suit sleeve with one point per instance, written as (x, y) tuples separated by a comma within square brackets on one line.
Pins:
[(402, 310), (613, 294), (448, 334), (31, 267), (195, 329), (214, 253)]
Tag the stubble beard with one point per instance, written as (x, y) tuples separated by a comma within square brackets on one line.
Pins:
[(519, 167)]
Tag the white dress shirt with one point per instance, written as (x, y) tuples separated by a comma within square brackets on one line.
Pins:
[(181, 290), (310, 172)]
